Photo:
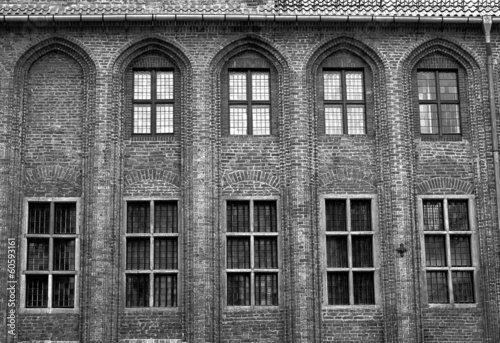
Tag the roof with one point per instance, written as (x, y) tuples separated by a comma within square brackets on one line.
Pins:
[(410, 8)]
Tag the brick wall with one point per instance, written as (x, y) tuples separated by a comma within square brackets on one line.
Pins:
[(64, 125)]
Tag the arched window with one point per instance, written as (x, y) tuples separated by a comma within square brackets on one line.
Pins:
[(439, 96), (249, 96), (345, 95), (152, 96)]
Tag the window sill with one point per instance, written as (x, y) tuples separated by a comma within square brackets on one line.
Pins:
[(233, 309), (239, 138), (351, 307), (166, 138), (150, 309), (451, 306)]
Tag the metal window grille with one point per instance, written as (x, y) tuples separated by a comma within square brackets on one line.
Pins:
[(249, 103), (350, 267), (448, 251), (152, 253), (344, 102), (252, 253), (51, 242), (439, 102), (153, 102)]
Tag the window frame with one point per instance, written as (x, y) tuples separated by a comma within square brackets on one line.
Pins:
[(153, 101), (375, 241), (50, 273), (473, 246), (438, 102), (249, 102), (252, 270), (344, 102), (151, 271)]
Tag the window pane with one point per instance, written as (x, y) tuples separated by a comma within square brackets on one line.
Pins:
[(266, 253), (356, 119), (426, 85), (138, 253), (238, 253), (37, 290), (38, 254), (332, 85), (336, 215), (260, 86), (336, 252), (354, 85), (164, 118), (361, 217), (238, 120), (448, 89), (142, 85), (166, 253), (165, 293), (142, 119), (429, 123), (333, 120), (261, 121), (64, 254), (237, 86), (435, 251), (433, 215), (450, 118), (437, 288), (165, 85), (238, 216), (458, 215), (364, 289), (265, 216), (338, 288), (65, 218), (137, 291), (463, 287), (460, 251), (38, 217), (238, 289), (266, 289), (166, 217), (138, 217), (64, 291), (362, 251)]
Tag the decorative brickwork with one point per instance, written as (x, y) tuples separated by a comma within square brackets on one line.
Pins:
[(444, 183)]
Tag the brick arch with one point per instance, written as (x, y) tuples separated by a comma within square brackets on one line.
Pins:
[(152, 174), (258, 176), (43, 173), (444, 183), (347, 175)]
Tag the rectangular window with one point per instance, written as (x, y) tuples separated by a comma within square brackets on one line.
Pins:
[(344, 102), (51, 254), (439, 102), (152, 253), (448, 261), (252, 269), (349, 250), (153, 102), (249, 103)]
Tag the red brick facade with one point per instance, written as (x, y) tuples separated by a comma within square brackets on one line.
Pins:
[(65, 121)]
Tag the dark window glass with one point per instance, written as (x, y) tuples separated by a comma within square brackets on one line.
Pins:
[(362, 251), (64, 291), (166, 217), (338, 288), (238, 289), (265, 216), (433, 215), (38, 218), (165, 253), (437, 288), (137, 253), (463, 286), (64, 254), (266, 253), (38, 254), (458, 215), (37, 290), (460, 251), (336, 215), (361, 215), (238, 253), (65, 218), (137, 290), (336, 252), (238, 216), (165, 293), (364, 290), (435, 251), (266, 289), (138, 217)]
